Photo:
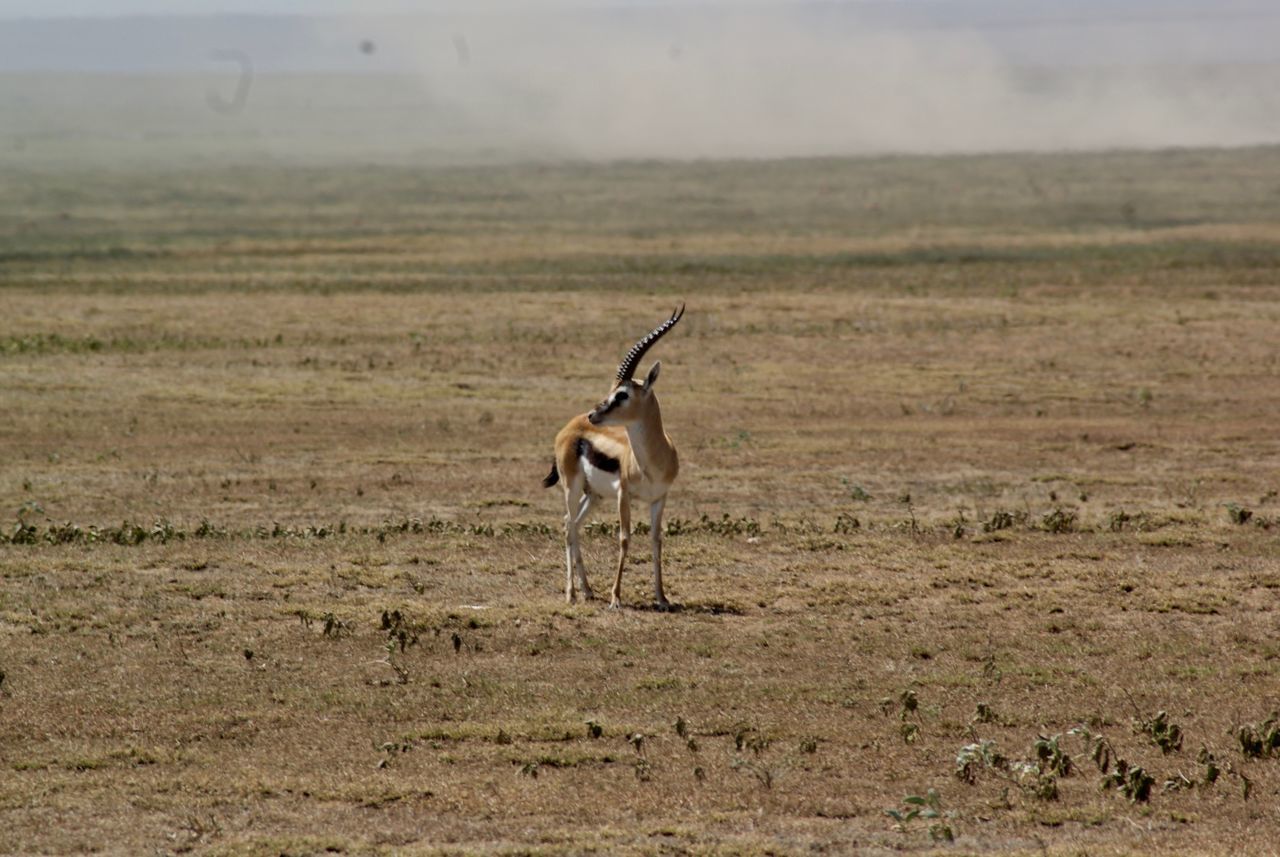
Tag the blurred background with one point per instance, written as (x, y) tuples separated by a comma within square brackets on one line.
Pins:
[(152, 82)]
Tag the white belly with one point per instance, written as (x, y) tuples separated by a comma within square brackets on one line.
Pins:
[(601, 483)]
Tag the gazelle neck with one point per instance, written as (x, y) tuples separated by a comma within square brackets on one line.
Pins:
[(650, 445)]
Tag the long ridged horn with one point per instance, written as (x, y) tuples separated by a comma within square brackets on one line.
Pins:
[(627, 368)]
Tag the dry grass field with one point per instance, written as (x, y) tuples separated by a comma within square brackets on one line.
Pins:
[(977, 521)]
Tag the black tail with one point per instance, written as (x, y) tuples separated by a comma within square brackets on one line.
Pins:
[(551, 478)]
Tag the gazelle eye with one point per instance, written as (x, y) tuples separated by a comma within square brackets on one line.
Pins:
[(620, 398)]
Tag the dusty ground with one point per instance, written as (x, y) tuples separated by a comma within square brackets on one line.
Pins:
[(973, 450)]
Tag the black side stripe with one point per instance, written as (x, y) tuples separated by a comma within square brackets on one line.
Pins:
[(595, 457)]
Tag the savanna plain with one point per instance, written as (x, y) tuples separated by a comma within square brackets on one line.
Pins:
[(974, 542)]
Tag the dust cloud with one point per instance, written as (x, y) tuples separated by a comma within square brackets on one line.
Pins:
[(611, 80), (806, 79)]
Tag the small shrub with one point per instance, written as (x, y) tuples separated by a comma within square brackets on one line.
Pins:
[(335, 627), (846, 523), (973, 758), (1164, 733), (1059, 521), (1050, 757), (984, 713), (928, 807), (1130, 780), (1259, 740), (1238, 514), (400, 631), (856, 492), (999, 520)]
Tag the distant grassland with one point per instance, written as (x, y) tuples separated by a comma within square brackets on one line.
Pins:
[(573, 225), (977, 511)]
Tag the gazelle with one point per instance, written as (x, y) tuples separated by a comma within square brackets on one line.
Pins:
[(617, 450)]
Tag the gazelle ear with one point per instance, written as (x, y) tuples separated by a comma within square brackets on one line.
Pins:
[(652, 376)]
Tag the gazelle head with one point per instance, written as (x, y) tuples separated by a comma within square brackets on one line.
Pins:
[(629, 400)]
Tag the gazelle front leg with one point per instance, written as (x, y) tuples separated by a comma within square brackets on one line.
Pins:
[(624, 540), (655, 533), (575, 513)]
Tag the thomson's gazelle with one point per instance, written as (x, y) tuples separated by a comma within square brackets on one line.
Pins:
[(617, 450)]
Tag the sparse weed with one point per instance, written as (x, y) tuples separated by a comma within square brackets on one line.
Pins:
[(1238, 514), (912, 525), (1097, 746), (991, 671), (846, 523), (927, 807), (1001, 520), (908, 705), (973, 758), (1164, 733), (749, 738), (1050, 757), (30, 507), (1059, 521), (1211, 774), (984, 713), (722, 526), (761, 772), (400, 631), (401, 671), (163, 530), (1038, 779), (335, 627), (199, 828), (856, 492), (1259, 740), (1211, 768), (206, 530), (1130, 780)]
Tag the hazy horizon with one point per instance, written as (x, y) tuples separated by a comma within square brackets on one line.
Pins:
[(636, 80)]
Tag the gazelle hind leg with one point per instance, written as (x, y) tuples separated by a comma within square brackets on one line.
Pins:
[(624, 541), (576, 505), (655, 533), (584, 508)]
